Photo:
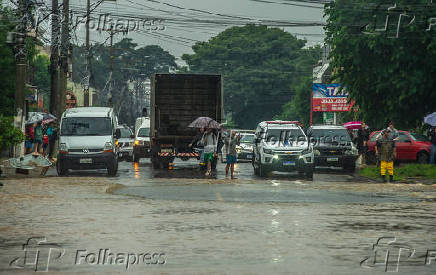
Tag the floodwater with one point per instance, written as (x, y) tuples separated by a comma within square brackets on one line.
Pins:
[(189, 224)]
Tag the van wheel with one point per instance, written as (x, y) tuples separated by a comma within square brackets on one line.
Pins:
[(422, 158), (60, 168), (113, 168)]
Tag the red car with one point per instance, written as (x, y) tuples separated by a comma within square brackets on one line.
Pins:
[(410, 147)]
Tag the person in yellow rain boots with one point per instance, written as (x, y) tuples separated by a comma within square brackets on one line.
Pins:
[(386, 148)]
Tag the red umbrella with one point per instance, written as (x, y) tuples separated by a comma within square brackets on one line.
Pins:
[(353, 125)]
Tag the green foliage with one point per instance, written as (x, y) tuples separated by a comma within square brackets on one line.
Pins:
[(390, 78), (259, 66), (130, 63), (424, 171), (7, 65), (9, 135), (42, 74)]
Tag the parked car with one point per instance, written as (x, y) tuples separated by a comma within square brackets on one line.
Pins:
[(282, 146), (245, 147), (87, 140), (333, 147), (410, 147), (125, 142)]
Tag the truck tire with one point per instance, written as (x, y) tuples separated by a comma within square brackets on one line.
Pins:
[(135, 158), (61, 169)]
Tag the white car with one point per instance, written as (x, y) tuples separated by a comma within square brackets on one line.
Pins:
[(245, 147), (282, 146)]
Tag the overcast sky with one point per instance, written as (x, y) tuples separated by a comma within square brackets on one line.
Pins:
[(178, 31)]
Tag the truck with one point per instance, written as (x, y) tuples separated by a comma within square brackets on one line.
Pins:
[(175, 101)]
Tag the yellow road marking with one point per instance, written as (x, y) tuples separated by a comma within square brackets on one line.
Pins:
[(218, 196)]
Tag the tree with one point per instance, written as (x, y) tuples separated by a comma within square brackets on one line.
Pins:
[(9, 135), (130, 64), (390, 75), (7, 65), (258, 65), (299, 107)]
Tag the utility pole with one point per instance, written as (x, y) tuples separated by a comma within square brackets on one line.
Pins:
[(20, 74), (88, 56), (54, 61), (65, 46)]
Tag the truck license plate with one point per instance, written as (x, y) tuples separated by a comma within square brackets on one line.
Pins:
[(85, 160), (289, 163), (332, 159)]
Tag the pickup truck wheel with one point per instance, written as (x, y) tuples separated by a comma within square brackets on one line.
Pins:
[(422, 158), (309, 175), (370, 158), (263, 171), (60, 168)]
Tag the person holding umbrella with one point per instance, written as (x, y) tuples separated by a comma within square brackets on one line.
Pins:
[(37, 137), (210, 146)]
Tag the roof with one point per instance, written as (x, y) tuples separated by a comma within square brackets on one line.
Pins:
[(280, 124), (328, 127), (88, 112)]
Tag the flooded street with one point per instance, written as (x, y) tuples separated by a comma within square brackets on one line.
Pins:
[(188, 224)]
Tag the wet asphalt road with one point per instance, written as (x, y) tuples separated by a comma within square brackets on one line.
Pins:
[(279, 225)]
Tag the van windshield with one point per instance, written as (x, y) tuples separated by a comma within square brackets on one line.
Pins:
[(125, 133), (86, 126), (144, 132)]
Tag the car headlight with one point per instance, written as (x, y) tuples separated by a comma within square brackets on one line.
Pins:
[(267, 151), (316, 152), (108, 146), (63, 147)]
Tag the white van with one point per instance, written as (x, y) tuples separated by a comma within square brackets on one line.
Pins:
[(141, 147), (87, 140)]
